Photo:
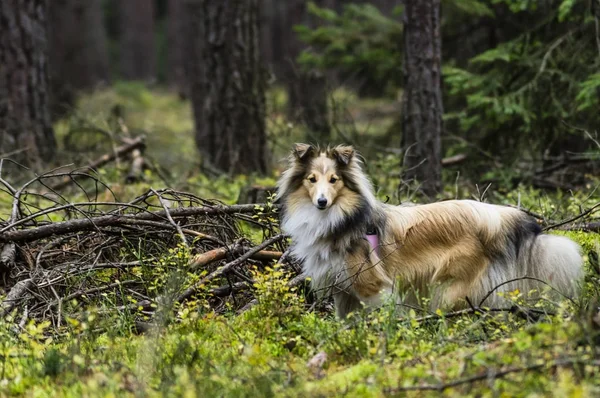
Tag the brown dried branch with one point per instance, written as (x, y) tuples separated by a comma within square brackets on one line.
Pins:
[(220, 253), (454, 160), (119, 152), (493, 374), (227, 267), (92, 223), (575, 218), (17, 293), (137, 167)]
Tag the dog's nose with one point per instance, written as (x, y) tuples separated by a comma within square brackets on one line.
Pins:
[(322, 202)]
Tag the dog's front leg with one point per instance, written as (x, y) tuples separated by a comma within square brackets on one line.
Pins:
[(345, 303)]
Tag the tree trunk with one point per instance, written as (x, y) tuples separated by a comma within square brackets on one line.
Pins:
[(387, 6), (278, 28), (178, 40), (78, 49), (137, 49), (25, 125), (295, 14), (310, 91), (422, 107), (267, 19), (228, 85), (307, 89)]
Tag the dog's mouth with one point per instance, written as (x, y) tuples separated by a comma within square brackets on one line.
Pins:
[(322, 207)]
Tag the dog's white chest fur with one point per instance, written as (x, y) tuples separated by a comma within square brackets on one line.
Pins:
[(309, 228)]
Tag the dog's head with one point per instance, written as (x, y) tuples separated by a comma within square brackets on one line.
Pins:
[(321, 176)]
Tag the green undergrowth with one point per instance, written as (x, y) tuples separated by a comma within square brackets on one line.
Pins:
[(272, 349), (283, 345)]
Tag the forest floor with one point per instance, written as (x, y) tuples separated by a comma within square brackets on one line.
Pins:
[(271, 339)]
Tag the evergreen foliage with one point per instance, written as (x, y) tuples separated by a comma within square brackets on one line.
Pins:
[(514, 70)]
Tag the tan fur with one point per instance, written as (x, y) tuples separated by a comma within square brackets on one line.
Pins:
[(449, 250), (439, 244)]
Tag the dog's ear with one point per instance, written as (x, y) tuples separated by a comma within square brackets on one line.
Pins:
[(343, 154), (303, 151)]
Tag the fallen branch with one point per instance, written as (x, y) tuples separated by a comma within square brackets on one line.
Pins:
[(137, 166), (529, 213), (16, 294), (168, 214), (131, 145), (575, 218), (585, 227), (89, 292), (493, 374), (227, 267), (227, 290), (93, 223), (220, 253), (454, 160)]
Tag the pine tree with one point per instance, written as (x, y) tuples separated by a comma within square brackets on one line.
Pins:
[(422, 108), (228, 85), (25, 127)]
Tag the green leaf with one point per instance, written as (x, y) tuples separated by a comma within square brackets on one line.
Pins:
[(564, 10)]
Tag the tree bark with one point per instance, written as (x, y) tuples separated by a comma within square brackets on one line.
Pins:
[(422, 107), (178, 42), (311, 108), (78, 49), (228, 85), (25, 126), (137, 49), (307, 89), (295, 14), (267, 19)]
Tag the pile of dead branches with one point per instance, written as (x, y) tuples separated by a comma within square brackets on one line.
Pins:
[(55, 252)]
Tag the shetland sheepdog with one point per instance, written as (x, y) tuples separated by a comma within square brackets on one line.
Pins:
[(456, 252)]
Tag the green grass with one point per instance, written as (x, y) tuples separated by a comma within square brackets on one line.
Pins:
[(265, 350)]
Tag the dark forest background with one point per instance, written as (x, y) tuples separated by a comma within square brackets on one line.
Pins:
[(502, 90)]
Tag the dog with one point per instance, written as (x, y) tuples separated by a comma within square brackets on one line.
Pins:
[(457, 252)]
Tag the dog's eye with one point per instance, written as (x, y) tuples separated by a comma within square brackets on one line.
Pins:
[(333, 180), (312, 179)]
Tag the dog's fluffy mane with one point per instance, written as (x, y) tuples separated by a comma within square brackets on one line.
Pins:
[(468, 247)]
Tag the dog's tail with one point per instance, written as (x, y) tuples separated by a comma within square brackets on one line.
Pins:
[(542, 263)]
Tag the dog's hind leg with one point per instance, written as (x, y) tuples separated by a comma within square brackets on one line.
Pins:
[(460, 276)]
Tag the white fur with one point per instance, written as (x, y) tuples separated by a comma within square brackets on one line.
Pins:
[(555, 260), (307, 226)]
